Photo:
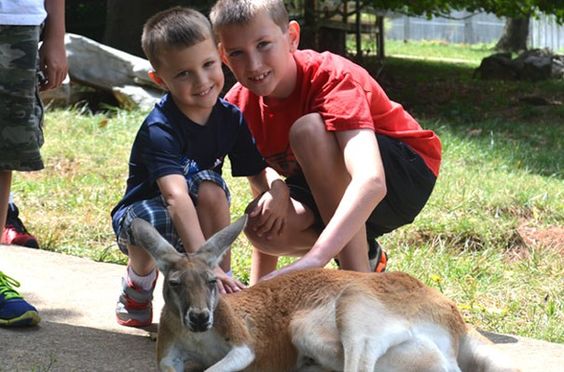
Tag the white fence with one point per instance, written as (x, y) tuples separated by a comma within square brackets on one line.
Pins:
[(471, 29), (545, 32)]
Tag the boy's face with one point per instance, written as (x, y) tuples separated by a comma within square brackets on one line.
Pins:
[(193, 76), (260, 55)]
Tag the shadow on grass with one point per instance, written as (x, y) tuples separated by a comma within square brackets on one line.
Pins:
[(518, 120)]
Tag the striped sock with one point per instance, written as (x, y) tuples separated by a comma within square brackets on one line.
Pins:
[(145, 282)]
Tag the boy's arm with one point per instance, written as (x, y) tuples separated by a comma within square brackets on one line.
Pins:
[(269, 209), (52, 55), (364, 192), (185, 219), (182, 211)]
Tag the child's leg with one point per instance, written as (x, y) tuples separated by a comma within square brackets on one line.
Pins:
[(322, 163), (211, 198), (134, 306), (213, 213), (297, 237), (261, 264), (299, 234), (140, 261), (5, 183)]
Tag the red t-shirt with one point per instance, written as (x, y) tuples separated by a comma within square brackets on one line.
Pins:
[(346, 97)]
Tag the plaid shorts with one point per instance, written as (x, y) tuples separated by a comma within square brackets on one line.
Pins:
[(155, 212), (21, 110)]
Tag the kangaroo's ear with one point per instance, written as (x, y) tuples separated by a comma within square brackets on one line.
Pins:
[(144, 235), (215, 247)]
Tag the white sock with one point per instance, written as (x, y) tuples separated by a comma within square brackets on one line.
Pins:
[(145, 282)]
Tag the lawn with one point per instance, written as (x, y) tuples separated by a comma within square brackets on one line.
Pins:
[(491, 237)]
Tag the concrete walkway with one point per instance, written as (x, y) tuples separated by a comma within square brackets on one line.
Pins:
[(78, 332)]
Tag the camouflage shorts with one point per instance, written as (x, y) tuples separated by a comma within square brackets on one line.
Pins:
[(21, 110)]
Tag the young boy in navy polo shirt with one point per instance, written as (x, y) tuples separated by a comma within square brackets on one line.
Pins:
[(176, 160)]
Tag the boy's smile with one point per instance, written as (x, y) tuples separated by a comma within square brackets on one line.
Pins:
[(194, 78), (260, 55)]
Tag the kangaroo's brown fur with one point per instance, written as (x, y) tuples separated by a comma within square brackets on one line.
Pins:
[(312, 320)]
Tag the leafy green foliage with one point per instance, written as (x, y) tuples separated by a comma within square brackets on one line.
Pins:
[(502, 8)]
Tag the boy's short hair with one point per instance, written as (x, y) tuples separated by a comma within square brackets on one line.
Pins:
[(238, 12), (177, 27)]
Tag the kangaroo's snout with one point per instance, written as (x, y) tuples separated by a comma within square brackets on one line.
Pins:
[(199, 320)]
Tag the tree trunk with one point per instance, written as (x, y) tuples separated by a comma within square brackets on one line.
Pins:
[(125, 20), (515, 34), (308, 35), (332, 40)]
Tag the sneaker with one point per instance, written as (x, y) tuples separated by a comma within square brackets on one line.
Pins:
[(377, 257), (12, 235), (14, 310), (15, 232), (135, 307)]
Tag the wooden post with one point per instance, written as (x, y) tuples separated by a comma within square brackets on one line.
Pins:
[(357, 31), (380, 37)]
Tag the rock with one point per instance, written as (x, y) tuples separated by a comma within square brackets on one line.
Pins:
[(534, 64), (131, 96), (58, 97), (498, 66), (106, 68)]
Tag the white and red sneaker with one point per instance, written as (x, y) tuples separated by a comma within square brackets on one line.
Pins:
[(135, 305)]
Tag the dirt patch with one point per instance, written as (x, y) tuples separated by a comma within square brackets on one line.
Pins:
[(551, 238)]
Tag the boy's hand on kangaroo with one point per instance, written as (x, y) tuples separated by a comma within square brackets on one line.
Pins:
[(226, 284)]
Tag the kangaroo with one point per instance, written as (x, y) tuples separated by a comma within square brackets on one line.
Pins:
[(311, 320)]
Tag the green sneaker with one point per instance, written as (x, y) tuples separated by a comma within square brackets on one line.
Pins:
[(14, 310)]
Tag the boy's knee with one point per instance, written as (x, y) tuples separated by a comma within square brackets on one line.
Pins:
[(306, 128), (210, 194), (259, 242)]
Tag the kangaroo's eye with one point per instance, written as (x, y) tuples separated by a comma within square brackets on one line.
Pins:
[(174, 283), (212, 282)]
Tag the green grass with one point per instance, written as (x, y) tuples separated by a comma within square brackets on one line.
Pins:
[(431, 50), (439, 50), (501, 177)]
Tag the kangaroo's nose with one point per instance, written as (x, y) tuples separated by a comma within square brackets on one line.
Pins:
[(199, 320)]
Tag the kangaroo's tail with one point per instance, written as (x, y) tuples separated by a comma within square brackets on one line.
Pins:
[(477, 354)]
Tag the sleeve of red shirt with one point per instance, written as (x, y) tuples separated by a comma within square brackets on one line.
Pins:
[(343, 104)]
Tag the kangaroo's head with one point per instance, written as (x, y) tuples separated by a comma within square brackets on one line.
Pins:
[(189, 287)]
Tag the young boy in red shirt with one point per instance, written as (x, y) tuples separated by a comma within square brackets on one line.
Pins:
[(356, 164)]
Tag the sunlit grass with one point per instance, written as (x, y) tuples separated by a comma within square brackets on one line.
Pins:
[(470, 54)]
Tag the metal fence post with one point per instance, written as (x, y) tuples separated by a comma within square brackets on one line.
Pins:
[(406, 27)]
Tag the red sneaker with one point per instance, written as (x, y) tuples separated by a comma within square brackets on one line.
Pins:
[(16, 234), (135, 305), (377, 257)]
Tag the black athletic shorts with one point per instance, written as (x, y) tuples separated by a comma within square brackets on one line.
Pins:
[(409, 184)]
